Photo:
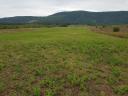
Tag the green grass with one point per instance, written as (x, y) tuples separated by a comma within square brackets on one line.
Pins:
[(70, 61), (37, 91), (122, 90)]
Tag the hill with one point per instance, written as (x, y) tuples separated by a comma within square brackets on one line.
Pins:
[(19, 20), (74, 17)]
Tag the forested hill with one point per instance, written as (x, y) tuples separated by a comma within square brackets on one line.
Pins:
[(74, 17)]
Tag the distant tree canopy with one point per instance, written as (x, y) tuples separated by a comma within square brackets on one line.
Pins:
[(75, 17)]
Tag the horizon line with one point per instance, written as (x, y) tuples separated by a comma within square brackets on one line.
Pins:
[(63, 11)]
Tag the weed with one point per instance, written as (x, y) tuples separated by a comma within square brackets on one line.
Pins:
[(73, 79), (116, 71), (112, 80), (49, 92), (1, 66), (115, 61), (76, 80), (114, 76), (48, 82), (37, 91), (121, 90), (18, 68), (39, 72), (2, 86)]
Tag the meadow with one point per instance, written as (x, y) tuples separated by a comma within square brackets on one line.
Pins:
[(62, 61)]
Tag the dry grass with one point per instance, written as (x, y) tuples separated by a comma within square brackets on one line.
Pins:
[(108, 30)]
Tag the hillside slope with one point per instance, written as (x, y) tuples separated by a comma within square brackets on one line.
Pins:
[(74, 17)]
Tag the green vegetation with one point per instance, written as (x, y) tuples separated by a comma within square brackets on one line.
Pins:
[(1, 66), (72, 18), (37, 91), (122, 90), (116, 29), (62, 61), (2, 86), (19, 26)]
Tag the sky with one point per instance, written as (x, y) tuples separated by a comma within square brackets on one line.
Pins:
[(9, 8)]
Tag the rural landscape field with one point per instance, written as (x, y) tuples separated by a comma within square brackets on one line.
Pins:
[(62, 61), (63, 47)]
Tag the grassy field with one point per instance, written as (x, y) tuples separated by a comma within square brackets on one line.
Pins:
[(70, 61)]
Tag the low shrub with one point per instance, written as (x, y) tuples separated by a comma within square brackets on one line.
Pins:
[(116, 29), (122, 90)]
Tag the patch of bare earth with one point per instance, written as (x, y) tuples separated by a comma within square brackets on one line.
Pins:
[(99, 90)]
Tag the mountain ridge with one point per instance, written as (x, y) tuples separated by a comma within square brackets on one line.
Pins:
[(72, 17)]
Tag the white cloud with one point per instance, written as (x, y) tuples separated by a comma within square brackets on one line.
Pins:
[(47, 7)]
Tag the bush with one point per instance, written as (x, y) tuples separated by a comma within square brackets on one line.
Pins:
[(122, 90), (103, 26), (116, 29), (64, 25)]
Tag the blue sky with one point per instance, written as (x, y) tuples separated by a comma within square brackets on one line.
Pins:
[(10, 8)]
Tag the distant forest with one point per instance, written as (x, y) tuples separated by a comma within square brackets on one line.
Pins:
[(72, 18)]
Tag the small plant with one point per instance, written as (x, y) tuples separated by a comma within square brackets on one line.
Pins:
[(122, 90), (18, 68), (37, 91), (39, 72), (116, 72), (114, 76), (115, 60), (77, 80), (73, 79), (116, 29), (2, 86), (49, 93), (111, 80), (48, 82), (1, 66)]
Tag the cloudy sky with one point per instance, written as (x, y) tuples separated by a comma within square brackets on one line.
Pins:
[(46, 7)]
